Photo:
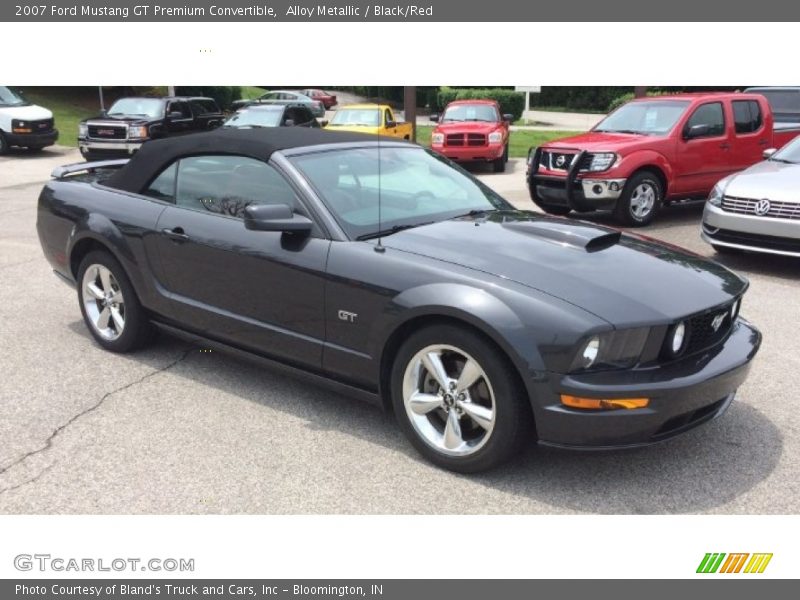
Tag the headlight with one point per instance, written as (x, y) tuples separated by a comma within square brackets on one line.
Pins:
[(136, 133), (602, 161), (495, 137), (437, 138), (83, 130), (611, 349), (715, 197)]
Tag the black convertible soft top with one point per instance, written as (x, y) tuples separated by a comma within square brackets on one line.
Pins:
[(155, 155)]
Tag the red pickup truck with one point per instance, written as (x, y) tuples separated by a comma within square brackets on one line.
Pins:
[(472, 131), (653, 151)]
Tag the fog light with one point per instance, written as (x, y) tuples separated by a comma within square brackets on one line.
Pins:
[(677, 338), (597, 189), (603, 403)]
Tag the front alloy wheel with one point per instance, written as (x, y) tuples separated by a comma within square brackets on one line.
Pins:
[(449, 400), (458, 399)]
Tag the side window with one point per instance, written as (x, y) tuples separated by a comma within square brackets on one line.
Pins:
[(226, 185), (387, 117), (163, 186), (747, 116), (181, 107), (304, 116), (709, 114)]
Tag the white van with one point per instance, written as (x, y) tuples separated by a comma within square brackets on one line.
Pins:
[(24, 124)]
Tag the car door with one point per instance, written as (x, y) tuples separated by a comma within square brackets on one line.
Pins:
[(179, 117), (254, 289), (752, 136), (703, 160)]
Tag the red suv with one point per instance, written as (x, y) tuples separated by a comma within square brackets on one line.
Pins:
[(472, 130)]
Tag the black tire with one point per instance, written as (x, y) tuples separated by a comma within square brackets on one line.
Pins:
[(641, 183), (505, 154), (137, 330), (513, 419), (499, 165), (3, 144)]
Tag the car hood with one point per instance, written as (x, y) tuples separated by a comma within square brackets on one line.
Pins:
[(599, 141), (625, 279), (30, 112), (467, 127), (354, 128), (769, 179), (119, 119)]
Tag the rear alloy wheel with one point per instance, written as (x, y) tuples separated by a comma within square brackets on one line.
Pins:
[(110, 307), (457, 401), (640, 200)]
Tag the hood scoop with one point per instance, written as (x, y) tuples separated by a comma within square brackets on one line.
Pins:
[(565, 233)]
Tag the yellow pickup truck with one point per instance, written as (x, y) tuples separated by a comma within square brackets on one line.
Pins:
[(377, 119)]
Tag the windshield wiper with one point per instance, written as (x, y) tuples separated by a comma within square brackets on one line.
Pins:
[(782, 160), (631, 131), (391, 230), (477, 212)]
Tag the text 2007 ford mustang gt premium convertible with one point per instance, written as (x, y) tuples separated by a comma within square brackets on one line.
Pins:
[(387, 272)]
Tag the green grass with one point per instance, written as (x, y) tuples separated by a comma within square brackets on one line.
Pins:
[(520, 140), (252, 92)]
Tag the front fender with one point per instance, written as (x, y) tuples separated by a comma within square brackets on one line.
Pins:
[(645, 158)]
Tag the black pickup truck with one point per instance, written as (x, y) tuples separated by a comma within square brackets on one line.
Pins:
[(121, 131)]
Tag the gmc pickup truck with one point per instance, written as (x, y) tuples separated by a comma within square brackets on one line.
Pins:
[(653, 151), (130, 122), (472, 130), (377, 119)]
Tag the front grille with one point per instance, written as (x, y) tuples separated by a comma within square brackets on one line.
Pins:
[(702, 334), (108, 132), (742, 238), (38, 126), (465, 139), (749, 206), (561, 161)]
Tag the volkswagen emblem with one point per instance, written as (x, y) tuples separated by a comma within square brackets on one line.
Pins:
[(762, 207), (717, 322), (561, 160)]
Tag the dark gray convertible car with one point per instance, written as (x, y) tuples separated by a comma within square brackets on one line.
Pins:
[(381, 269)]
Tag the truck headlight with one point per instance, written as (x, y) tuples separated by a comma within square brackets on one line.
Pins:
[(620, 348), (715, 197), (495, 137), (602, 161), (137, 133), (437, 139), (83, 130)]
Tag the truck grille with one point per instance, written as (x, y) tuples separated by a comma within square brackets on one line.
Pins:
[(465, 139), (748, 206), (108, 132), (561, 161), (42, 125)]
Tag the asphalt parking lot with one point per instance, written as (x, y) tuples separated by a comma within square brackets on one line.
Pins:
[(173, 429)]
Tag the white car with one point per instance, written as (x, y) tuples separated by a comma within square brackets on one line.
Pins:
[(24, 124), (758, 209)]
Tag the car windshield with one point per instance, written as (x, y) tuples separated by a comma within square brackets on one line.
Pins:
[(470, 112), (790, 153), (145, 107), (255, 117), (357, 116), (371, 190), (652, 117), (10, 98)]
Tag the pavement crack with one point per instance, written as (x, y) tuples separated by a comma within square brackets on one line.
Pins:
[(33, 479), (48, 443)]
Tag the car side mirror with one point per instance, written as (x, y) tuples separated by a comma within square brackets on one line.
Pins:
[(696, 131), (323, 123), (767, 154), (288, 123), (434, 117), (175, 115), (275, 217), (508, 117), (390, 124)]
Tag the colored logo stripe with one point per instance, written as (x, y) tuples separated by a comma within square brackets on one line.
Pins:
[(713, 562)]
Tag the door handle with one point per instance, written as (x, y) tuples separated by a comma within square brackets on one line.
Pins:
[(725, 145), (176, 234), (763, 143)]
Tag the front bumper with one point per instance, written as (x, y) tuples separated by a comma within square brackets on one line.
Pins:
[(108, 149), (683, 395), (487, 153), (586, 194), (750, 232), (32, 140)]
